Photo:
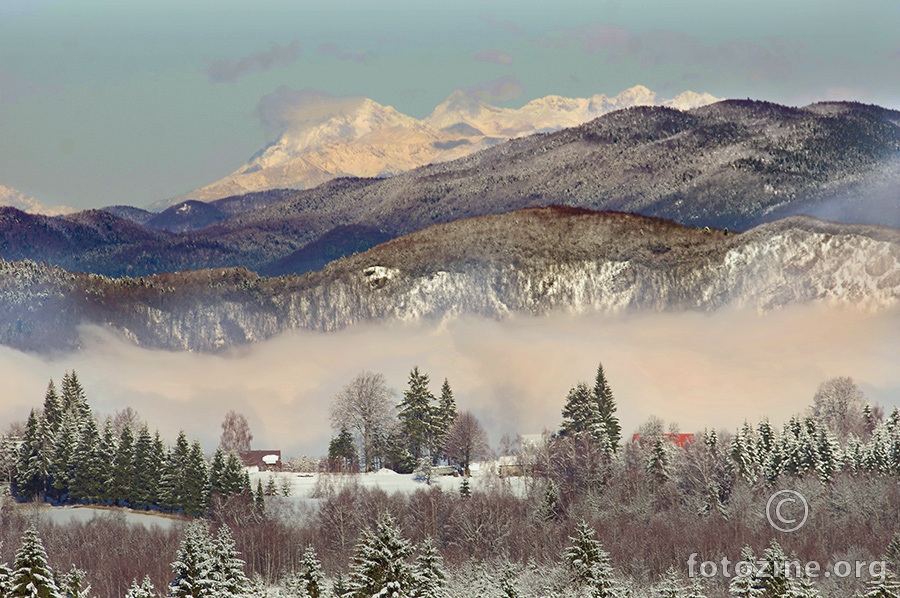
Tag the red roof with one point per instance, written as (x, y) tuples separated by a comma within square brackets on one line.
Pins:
[(681, 440)]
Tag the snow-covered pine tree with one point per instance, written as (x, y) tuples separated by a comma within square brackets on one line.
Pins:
[(581, 414), (744, 584), (194, 565), (86, 466), (259, 499), (73, 586), (446, 413), (744, 453), (416, 414), (380, 562), (589, 563), (465, 489), (888, 587), (5, 578), (61, 464), (145, 590), (106, 460), (53, 409), (123, 469), (173, 482), (829, 457), (696, 590), (549, 509), (217, 473), (196, 482), (429, 572), (670, 586), (32, 577), (606, 406), (310, 580), (145, 482), (228, 567), (234, 478), (33, 464), (658, 460)]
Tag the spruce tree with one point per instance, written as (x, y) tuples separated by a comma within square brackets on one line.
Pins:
[(234, 478), (606, 405), (342, 450), (62, 464), (173, 483), (32, 577), (32, 464), (145, 590), (228, 568), (145, 482), (87, 469), (122, 485), (5, 578), (106, 462), (194, 565), (380, 562), (310, 580), (670, 586), (446, 413), (589, 564), (72, 585), (196, 482), (416, 414), (658, 460), (745, 584), (429, 572), (887, 587), (217, 474), (74, 399), (696, 590), (53, 410), (580, 413)]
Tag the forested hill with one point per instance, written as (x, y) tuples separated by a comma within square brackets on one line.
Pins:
[(533, 261)]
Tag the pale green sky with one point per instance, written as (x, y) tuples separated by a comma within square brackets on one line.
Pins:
[(105, 102)]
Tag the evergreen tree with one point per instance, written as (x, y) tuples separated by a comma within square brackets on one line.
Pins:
[(72, 585), (670, 586), (658, 460), (123, 469), (465, 489), (829, 455), (74, 399), (416, 414), (53, 410), (61, 465), (195, 500), (87, 468), (174, 481), (550, 509), (106, 460), (235, 479), (32, 464), (745, 583), (145, 481), (606, 406), (581, 414), (887, 587), (744, 453), (380, 562), (696, 590), (429, 572), (217, 474), (227, 568), (259, 499), (145, 590), (194, 564), (311, 580), (32, 577), (446, 413), (589, 563), (342, 450), (5, 578)]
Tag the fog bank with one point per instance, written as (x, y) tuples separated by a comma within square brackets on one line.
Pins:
[(698, 370)]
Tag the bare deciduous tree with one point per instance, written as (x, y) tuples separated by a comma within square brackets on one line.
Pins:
[(466, 440), (236, 434), (365, 407), (127, 416), (838, 403)]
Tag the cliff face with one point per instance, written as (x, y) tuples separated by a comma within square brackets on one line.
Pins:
[(534, 261)]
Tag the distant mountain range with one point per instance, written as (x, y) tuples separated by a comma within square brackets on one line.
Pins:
[(733, 164), (16, 199), (327, 137), (532, 261)]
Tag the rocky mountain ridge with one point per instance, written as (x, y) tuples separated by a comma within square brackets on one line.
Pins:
[(530, 262)]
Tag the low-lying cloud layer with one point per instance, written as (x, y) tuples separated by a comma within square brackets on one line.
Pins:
[(698, 370)]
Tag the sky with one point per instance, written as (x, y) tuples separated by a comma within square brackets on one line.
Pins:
[(121, 102)]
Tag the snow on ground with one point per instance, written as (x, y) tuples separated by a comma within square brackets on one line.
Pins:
[(86, 514)]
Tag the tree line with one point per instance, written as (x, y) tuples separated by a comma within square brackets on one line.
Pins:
[(64, 457)]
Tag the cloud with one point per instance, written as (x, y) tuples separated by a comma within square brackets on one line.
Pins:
[(342, 53), (774, 59), (286, 108), (495, 56), (695, 369), (503, 89), (506, 26), (227, 71)]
